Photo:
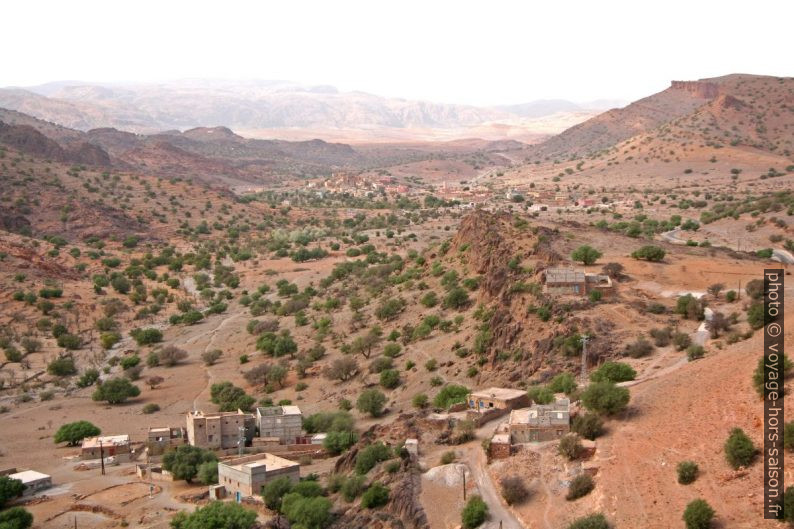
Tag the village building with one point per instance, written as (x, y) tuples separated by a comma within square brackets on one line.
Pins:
[(32, 480), (541, 422), (220, 430), (160, 439), (497, 398), (117, 446), (282, 422), (245, 476), (567, 281)]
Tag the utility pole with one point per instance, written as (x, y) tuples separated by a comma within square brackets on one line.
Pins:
[(739, 292), (584, 358), (101, 457), (463, 471)]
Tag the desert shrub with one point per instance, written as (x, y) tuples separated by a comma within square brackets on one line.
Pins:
[(698, 515), (211, 356), (570, 446), (338, 442), (641, 347), (375, 496), (758, 374), (371, 401), (338, 421), (661, 336), (171, 355), (690, 307), (448, 457), (421, 401), (116, 391), (15, 517), (649, 253), (151, 408), (681, 341), (693, 352), (69, 341), (563, 383), (605, 398), (540, 395), (514, 491), (62, 367), (580, 486), (390, 378), (593, 521), (687, 472), (352, 487), (370, 456), (739, 449), (474, 513), (613, 372), (588, 425), (449, 395), (12, 354), (88, 378), (147, 336), (109, 339)]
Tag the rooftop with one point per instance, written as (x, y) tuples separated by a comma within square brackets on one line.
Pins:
[(557, 414), (267, 460), (29, 476), (106, 440), (278, 410), (498, 393), (200, 414), (564, 275)]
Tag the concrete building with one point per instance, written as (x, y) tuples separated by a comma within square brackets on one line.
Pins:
[(567, 281), (246, 475), (219, 430), (160, 439), (541, 422), (497, 398), (283, 422), (500, 447), (117, 446), (33, 481)]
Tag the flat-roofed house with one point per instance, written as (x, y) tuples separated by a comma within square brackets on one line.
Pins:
[(219, 430), (567, 281), (160, 439), (246, 475), (283, 422), (541, 422), (117, 446), (33, 481), (497, 398)]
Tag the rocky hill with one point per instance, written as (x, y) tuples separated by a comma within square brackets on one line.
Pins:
[(751, 109)]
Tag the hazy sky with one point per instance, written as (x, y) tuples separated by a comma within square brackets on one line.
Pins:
[(478, 52)]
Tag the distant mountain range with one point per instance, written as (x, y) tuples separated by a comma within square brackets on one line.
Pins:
[(251, 105)]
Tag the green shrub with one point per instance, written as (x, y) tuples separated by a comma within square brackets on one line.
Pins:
[(370, 456), (605, 398), (613, 372), (593, 521), (62, 367), (371, 401), (449, 395), (474, 513), (739, 449), (694, 352), (151, 408), (570, 446), (687, 472), (698, 515), (580, 486), (588, 425), (375, 496)]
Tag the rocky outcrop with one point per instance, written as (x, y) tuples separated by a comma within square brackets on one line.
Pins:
[(704, 89)]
